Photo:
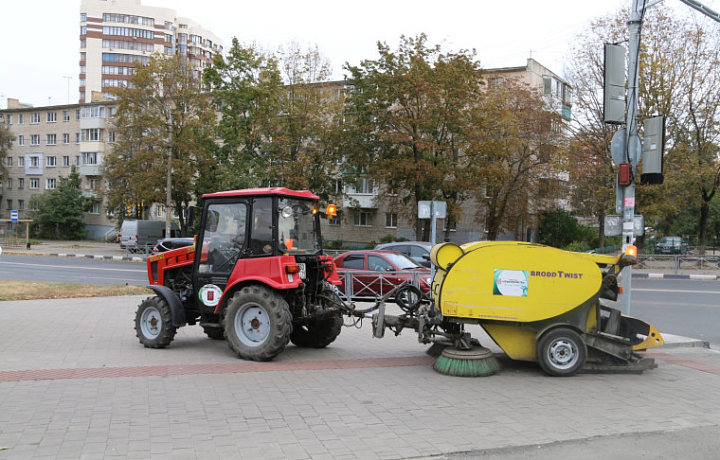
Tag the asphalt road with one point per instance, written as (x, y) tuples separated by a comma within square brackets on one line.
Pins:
[(687, 308), (71, 270)]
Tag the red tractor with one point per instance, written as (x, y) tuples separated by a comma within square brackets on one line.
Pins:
[(256, 277)]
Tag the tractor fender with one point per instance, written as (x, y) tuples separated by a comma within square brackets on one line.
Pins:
[(176, 308)]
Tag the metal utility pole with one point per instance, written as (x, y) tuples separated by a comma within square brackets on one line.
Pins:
[(631, 144)]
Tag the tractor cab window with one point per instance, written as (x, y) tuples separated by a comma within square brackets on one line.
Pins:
[(261, 237), (297, 227), (224, 237)]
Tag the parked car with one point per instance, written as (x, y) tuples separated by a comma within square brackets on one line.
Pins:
[(671, 245), (375, 273), (419, 251), (168, 244)]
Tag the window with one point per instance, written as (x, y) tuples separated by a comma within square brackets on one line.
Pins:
[(95, 185), (66, 115), (96, 111), (51, 117), (9, 161), (34, 183), (95, 207), (35, 118), (391, 220), (34, 162), (21, 140), (363, 186), (66, 161), (91, 135), (334, 221), (363, 219), (21, 205), (52, 139), (21, 183), (89, 158), (21, 162), (21, 118), (51, 161), (50, 184), (9, 204), (9, 183), (356, 261), (111, 136), (34, 139), (66, 138), (10, 119)]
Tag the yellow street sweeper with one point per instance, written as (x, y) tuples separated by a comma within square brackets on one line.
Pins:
[(536, 302)]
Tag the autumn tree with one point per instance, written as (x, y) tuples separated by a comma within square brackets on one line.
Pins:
[(309, 132), (6, 140), (412, 116), (246, 88), (678, 78), (522, 145), (164, 127)]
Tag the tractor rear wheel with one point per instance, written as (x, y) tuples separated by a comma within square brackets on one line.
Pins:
[(153, 323), (318, 333), (257, 323), (561, 352)]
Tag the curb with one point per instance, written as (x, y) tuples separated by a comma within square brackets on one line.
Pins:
[(676, 277), (92, 256)]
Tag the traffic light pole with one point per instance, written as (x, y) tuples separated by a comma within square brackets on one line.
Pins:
[(632, 147)]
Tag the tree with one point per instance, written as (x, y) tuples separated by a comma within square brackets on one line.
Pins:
[(58, 213), (558, 229), (678, 78), (522, 144), (412, 116), (306, 147), (6, 140), (164, 126), (246, 88)]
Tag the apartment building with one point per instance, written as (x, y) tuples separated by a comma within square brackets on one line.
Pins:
[(49, 142), (118, 35)]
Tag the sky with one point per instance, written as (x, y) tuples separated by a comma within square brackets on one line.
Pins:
[(39, 61)]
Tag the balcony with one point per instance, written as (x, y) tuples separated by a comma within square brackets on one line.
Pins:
[(91, 194), (91, 170), (92, 123), (363, 200)]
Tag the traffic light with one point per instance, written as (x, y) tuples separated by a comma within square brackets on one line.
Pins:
[(653, 149), (614, 84)]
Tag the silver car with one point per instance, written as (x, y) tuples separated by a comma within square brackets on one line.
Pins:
[(419, 251)]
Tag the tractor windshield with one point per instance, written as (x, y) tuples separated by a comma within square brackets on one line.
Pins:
[(298, 227)]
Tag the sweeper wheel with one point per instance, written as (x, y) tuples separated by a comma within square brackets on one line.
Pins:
[(475, 362)]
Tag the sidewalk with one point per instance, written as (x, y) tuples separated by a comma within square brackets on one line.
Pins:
[(77, 384)]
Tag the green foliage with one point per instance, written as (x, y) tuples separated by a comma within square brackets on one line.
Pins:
[(6, 140), (58, 214), (559, 229)]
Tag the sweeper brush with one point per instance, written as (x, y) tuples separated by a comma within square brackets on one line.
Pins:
[(537, 303)]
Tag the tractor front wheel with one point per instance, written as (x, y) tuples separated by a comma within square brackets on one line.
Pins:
[(153, 323), (257, 323), (561, 352), (318, 333)]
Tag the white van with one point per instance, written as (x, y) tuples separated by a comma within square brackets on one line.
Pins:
[(144, 233)]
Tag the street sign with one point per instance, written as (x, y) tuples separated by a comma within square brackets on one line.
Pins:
[(614, 225), (619, 150), (13, 216), (424, 209)]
